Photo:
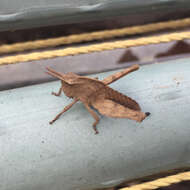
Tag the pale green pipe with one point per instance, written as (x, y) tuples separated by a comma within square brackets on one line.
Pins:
[(67, 155)]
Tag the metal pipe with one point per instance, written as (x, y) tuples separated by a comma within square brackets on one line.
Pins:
[(67, 155)]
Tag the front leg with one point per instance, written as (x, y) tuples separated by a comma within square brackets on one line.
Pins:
[(59, 93), (64, 110), (95, 116)]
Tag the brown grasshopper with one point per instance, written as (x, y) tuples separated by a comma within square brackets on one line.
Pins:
[(95, 93)]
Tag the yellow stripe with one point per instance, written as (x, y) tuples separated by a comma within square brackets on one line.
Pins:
[(162, 182), (106, 34), (94, 48)]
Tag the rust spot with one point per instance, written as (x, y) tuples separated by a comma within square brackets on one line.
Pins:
[(128, 56), (177, 80), (180, 47)]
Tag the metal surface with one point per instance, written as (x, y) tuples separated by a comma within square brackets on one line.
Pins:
[(19, 14), (67, 155)]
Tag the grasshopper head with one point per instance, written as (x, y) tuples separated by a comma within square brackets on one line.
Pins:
[(69, 78)]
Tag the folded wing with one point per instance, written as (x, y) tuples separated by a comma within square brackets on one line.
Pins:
[(113, 109)]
